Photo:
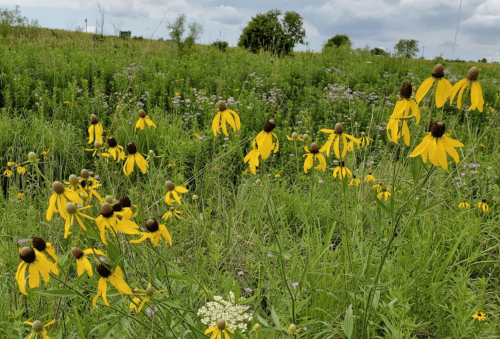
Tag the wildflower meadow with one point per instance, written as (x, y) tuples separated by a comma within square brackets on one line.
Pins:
[(224, 194)]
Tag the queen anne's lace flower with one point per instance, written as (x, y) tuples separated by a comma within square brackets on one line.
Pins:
[(235, 316)]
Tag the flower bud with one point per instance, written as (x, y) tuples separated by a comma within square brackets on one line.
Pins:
[(305, 137), (84, 173), (71, 208), (195, 197), (37, 326), (109, 199), (73, 180), (256, 327), (32, 156)]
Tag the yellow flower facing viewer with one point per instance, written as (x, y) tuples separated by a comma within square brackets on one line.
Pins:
[(482, 205), (143, 120), (171, 213), (476, 92), (436, 145), (156, 233), (479, 316), (252, 158), (115, 151), (134, 158), (312, 155), (95, 130), (339, 140), (370, 177), (173, 191), (115, 278), (82, 262), (264, 140), (442, 90), (38, 329), (141, 297), (36, 264), (464, 204), (108, 220), (341, 171), (225, 116), (59, 199), (219, 329)]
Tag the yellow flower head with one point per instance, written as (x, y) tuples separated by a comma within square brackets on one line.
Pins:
[(476, 96), (82, 262), (143, 120), (156, 233), (114, 277), (482, 205), (341, 171), (292, 329), (134, 158), (218, 330), (295, 137), (60, 198), (172, 191), (109, 220), (172, 212), (401, 114), (75, 214), (264, 140), (115, 151), (479, 316), (48, 251), (370, 177), (313, 154), (36, 264), (384, 194), (436, 145), (365, 140), (442, 90), (141, 297), (225, 115), (464, 204), (339, 140), (38, 329), (95, 130), (355, 181), (252, 158)]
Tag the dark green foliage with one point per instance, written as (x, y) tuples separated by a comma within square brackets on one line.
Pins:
[(177, 30), (407, 48), (222, 45), (338, 41), (378, 51)]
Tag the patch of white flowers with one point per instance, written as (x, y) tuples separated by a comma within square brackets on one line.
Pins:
[(234, 315)]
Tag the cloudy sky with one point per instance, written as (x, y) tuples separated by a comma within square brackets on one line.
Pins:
[(376, 23)]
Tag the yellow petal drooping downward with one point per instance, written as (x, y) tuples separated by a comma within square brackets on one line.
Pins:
[(424, 88)]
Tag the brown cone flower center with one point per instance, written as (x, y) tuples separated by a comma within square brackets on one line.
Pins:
[(77, 252), (131, 148), (338, 129), (473, 74), (73, 180), (269, 126), (71, 208), (39, 244), (437, 129), (125, 201), (150, 291), (106, 210), (314, 148), (438, 71), (37, 326), (152, 225), (84, 173), (221, 106), (221, 324), (112, 142), (118, 207), (103, 270), (28, 255), (406, 90), (169, 185), (94, 119), (58, 187), (142, 114)]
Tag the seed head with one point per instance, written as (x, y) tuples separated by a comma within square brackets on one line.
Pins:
[(106, 210), (221, 324), (438, 71), (118, 207), (94, 119), (27, 254), (37, 326), (295, 136), (314, 148), (125, 201), (150, 291), (142, 114), (269, 126), (406, 90), (103, 270), (221, 106), (73, 180), (152, 225), (39, 244), (363, 134), (437, 129), (58, 187), (32, 156), (172, 209), (109, 199), (473, 74), (305, 137), (97, 145), (112, 142), (338, 129), (195, 197), (84, 174), (258, 182), (169, 185), (71, 208), (131, 148), (77, 252), (483, 201)]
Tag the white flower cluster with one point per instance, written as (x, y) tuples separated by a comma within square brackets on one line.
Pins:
[(234, 315)]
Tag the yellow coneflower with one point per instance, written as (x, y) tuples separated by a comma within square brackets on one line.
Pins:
[(464, 204), (8, 173), (115, 278), (172, 212), (336, 135), (124, 208), (141, 297), (95, 130), (370, 177), (47, 151), (173, 191), (252, 158), (134, 158), (219, 329), (482, 205), (436, 145), (401, 114), (225, 116), (143, 120), (75, 213), (109, 220), (264, 140), (38, 329), (21, 170), (89, 185), (355, 181), (479, 316), (36, 264), (295, 137), (384, 194), (157, 232), (293, 329), (443, 86), (20, 195), (312, 155), (82, 262), (114, 150), (378, 187), (48, 251), (96, 150), (476, 96), (365, 140), (59, 199), (341, 171)]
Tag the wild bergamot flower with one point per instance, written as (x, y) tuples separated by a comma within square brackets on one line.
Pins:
[(143, 120), (173, 191), (109, 220), (115, 278), (312, 155), (114, 150), (264, 140), (36, 264), (141, 297), (464, 204), (225, 115), (95, 130), (156, 233), (341, 171), (442, 90), (39, 329), (82, 262), (482, 205), (59, 199), (134, 158), (401, 114), (479, 316), (436, 145), (336, 136), (252, 158), (475, 90)]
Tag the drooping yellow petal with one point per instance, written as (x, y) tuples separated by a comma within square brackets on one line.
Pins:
[(406, 133), (433, 154), (460, 95), (422, 146), (424, 88), (456, 88), (52, 207), (223, 123), (216, 124), (415, 110), (443, 92), (141, 162), (116, 279), (34, 277), (336, 147), (21, 277), (441, 154), (322, 162), (309, 162), (91, 133)]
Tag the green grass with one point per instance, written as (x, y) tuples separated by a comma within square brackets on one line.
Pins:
[(441, 263)]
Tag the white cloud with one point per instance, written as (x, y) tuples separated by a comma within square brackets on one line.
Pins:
[(91, 29), (311, 30)]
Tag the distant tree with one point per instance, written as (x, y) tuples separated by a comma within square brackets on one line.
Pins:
[(378, 51), (266, 31), (11, 18), (222, 45), (484, 60), (177, 30), (338, 41), (407, 48)]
